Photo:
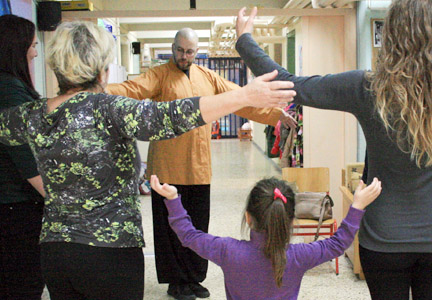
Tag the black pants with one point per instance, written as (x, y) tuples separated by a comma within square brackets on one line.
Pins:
[(80, 272), (175, 263), (391, 275), (20, 270)]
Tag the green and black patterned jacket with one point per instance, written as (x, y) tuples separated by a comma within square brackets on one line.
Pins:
[(87, 155)]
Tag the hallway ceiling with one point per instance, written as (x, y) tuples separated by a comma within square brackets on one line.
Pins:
[(216, 33)]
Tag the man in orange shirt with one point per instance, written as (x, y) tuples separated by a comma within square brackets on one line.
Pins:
[(184, 161)]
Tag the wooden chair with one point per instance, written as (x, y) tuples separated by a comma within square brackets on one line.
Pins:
[(244, 134), (311, 180)]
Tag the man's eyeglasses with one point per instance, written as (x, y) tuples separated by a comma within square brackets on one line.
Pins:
[(188, 52)]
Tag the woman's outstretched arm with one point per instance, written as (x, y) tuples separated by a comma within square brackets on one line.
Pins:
[(343, 91), (152, 121), (261, 92)]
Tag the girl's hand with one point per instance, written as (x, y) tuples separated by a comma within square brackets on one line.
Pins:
[(165, 190), (243, 25), (364, 196)]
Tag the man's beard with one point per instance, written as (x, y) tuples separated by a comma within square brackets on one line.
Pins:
[(183, 67)]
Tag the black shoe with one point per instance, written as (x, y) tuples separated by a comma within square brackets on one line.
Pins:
[(199, 290), (181, 292)]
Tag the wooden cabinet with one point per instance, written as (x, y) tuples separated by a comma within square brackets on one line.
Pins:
[(353, 251)]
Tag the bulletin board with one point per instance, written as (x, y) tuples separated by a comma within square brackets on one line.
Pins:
[(376, 35)]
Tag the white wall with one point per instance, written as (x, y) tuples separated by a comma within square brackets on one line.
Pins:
[(259, 136), (260, 140), (135, 64), (143, 149), (364, 46), (323, 46), (22, 8)]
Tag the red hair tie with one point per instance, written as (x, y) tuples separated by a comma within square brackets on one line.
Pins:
[(278, 194)]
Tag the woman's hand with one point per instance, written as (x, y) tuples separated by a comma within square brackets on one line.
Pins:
[(243, 25), (165, 190), (263, 92)]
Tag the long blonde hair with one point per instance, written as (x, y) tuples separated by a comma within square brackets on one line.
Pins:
[(402, 82)]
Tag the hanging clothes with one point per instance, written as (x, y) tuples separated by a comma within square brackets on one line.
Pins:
[(297, 152), (270, 140), (291, 141)]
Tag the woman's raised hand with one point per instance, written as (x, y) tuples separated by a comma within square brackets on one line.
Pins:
[(244, 25)]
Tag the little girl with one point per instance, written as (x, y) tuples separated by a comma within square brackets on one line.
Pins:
[(268, 266)]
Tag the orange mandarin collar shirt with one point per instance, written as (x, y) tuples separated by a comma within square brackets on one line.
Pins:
[(185, 160)]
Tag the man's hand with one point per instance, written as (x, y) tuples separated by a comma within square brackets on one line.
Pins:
[(287, 120), (243, 25)]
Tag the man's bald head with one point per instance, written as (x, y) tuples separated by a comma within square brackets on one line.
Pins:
[(187, 34)]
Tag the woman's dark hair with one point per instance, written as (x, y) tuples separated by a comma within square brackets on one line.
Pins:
[(273, 217), (16, 37)]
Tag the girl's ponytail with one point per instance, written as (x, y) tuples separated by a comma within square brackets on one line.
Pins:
[(278, 227), (271, 207)]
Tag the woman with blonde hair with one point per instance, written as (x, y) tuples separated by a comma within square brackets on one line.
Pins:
[(84, 143), (393, 106)]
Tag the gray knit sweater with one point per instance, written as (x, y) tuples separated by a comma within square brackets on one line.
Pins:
[(400, 220)]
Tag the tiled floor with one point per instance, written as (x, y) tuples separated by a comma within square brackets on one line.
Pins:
[(236, 167)]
